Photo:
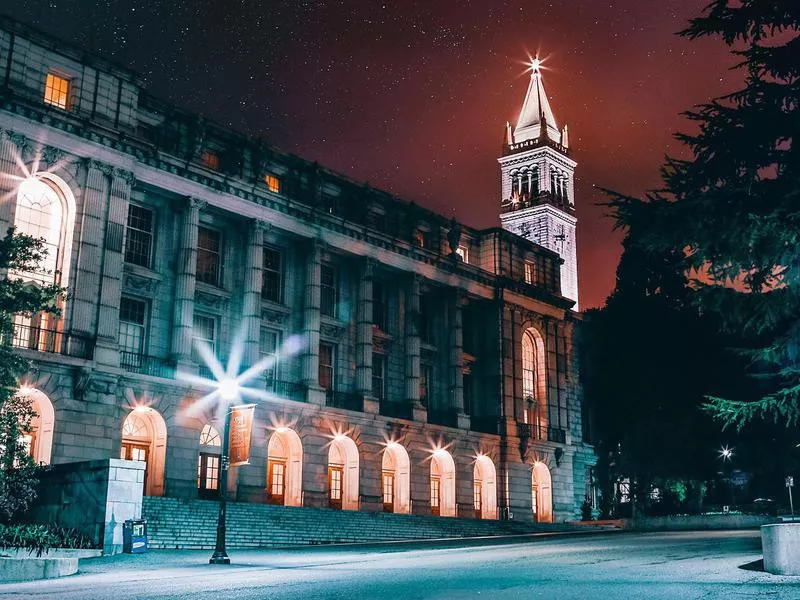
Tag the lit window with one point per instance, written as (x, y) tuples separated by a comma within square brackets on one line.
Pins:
[(328, 291), (273, 183), (327, 355), (209, 436), (139, 236), (530, 273), (421, 238), (271, 283), (210, 160), (208, 475), (463, 252), (209, 249), (56, 91)]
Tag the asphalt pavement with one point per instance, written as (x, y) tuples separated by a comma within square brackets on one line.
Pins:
[(604, 566)]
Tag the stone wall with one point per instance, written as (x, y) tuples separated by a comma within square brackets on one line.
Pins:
[(93, 497)]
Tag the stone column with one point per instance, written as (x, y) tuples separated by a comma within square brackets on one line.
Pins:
[(456, 362), (185, 283), (413, 348), (251, 305), (12, 149), (364, 330), (107, 349), (311, 323), (86, 291)]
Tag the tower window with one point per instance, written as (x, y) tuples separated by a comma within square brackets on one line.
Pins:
[(56, 91)]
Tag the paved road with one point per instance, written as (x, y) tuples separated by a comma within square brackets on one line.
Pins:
[(606, 566)]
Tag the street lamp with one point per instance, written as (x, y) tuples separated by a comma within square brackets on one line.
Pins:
[(228, 390)]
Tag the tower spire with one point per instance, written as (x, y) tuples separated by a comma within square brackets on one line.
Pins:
[(536, 111)]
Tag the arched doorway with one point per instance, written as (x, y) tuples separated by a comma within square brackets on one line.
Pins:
[(443, 484), (144, 438), (396, 479), (484, 488), (285, 468), (534, 381), (39, 439), (343, 473), (541, 493), (44, 209), (208, 462)]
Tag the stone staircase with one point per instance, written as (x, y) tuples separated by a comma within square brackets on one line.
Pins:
[(177, 523)]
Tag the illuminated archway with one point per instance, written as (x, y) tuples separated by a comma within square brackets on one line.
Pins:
[(541, 493), (534, 379), (39, 440), (484, 488), (396, 479), (285, 468), (144, 438), (443, 484), (44, 209), (343, 473)]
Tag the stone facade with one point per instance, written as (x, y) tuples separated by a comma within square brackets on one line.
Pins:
[(391, 338)]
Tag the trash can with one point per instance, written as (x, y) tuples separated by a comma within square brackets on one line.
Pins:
[(134, 536)]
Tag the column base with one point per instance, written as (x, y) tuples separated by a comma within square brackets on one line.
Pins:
[(420, 413), (371, 405), (463, 421), (315, 395)]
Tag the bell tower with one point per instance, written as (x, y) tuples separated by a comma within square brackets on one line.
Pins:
[(538, 201)]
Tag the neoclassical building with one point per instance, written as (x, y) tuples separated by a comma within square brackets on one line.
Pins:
[(399, 361)]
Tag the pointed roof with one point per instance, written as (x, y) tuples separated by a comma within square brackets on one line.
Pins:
[(536, 111)]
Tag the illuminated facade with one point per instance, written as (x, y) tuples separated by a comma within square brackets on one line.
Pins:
[(434, 371), (538, 201)]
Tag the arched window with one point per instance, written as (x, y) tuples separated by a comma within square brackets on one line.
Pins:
[(541, 493), (208, 462), (343, 473), (44, 209), (285, 468), (144, 439), (534, 379), (395, 479)]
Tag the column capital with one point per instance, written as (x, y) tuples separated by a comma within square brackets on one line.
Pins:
[(124, 174), (368, 265), (93, 163), (198, 203), (258, 225)]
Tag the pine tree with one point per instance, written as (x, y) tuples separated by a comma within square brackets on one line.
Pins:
[(732, 210)]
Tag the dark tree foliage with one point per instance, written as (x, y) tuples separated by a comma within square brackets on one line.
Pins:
[(729, 216), (18, 253), (647, 361)]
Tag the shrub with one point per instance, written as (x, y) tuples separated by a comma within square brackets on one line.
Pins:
[(41, 538)]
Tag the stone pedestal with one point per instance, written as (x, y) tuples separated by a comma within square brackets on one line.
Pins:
[(781, 547)]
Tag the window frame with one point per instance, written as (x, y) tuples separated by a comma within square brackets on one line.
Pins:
[(379, 376), (276, 272), (330, 367), (210, 252), (143, 329), (62, 94), (273, 182), (333, 288), (380, 317), (151, 235)]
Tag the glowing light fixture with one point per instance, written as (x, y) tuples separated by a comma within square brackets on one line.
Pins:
[(228, 389), (725, 453)]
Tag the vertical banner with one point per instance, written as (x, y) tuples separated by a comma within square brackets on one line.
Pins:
[(240, 434)]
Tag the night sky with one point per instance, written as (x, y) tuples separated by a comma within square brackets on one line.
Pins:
[(413, 96)]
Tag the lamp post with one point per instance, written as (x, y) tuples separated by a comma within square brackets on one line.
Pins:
[(228, 392)]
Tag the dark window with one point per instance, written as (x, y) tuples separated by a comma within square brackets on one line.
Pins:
[(139, 236), (271, 286), (204, 331), (327, 355), (425, 321), (378, 376), (379, 305), (209, 250), (328, 291), (268, 349), (425, 372), (131, 330)]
